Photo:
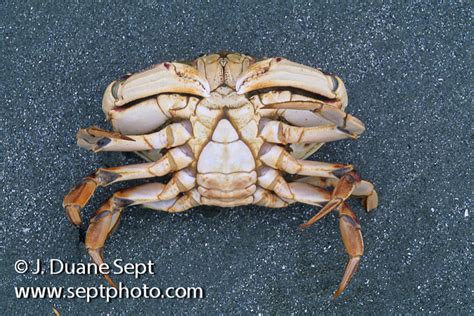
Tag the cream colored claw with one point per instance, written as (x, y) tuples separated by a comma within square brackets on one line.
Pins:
[(280, 72), (162, 78)]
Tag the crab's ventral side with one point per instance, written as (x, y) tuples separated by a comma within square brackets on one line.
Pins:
[(229, 130)]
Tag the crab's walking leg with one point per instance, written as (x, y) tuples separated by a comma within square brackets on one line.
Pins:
[(353, 242), (342, 191), (188, 200), (173, 135), (281, 133), (108, 215), (182, 181), (271, 179), (344, 121), (277, 157), (314, 195), (176, 159), (366, 190), (312, 122), (363, 189), (339, 124), (268, 199)]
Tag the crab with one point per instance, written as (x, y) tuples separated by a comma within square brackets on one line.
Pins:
[(231, 131)]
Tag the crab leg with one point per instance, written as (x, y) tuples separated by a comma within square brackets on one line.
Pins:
[(353, 242), (107, 216), (314, 195), (182, 181), (342, 191), (309, 194), (268, 199), (271, 179), (281, 133), (95, 139), (188, 200), (344, 122), (278, 158), (363, 189), (176, 159), (306, 193)]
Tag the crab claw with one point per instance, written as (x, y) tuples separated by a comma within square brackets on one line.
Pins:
[(353, 243), (162, 78), (341, 192), (101, 226), (280, 72)]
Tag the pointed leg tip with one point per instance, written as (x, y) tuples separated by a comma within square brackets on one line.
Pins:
[(341, 288), (369, 209), (350, 270), (96, 255), (110, 281), (337, 293), (303, 226), (56, 312), (73, 213), (98, 258), (371, 202), (331, 205)]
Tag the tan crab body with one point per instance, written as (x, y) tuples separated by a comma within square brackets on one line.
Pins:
[(229, 129)]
